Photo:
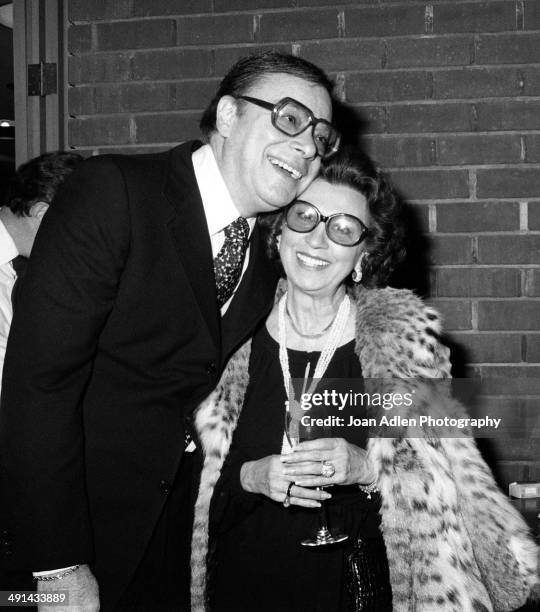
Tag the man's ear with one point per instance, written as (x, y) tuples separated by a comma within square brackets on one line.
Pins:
[(226, 114), (38, 210)]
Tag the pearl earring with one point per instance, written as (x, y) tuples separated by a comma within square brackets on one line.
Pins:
[(357, 270)]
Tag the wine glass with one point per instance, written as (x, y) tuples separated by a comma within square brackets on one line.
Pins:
[(298, 430)]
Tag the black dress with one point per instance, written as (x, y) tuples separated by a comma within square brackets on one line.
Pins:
[(256, 561)]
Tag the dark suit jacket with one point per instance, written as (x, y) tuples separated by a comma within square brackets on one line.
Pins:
[(117, 337)]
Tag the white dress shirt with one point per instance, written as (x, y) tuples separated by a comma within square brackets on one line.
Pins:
[(8, 251), (219, 208)]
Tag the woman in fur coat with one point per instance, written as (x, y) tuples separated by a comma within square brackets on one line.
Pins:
[(435, 531)]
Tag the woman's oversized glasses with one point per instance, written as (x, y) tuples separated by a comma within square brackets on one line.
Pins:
[(292, 118), (341, 228)]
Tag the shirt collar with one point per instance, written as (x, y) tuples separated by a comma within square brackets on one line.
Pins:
[(8, 250), (218, 205)]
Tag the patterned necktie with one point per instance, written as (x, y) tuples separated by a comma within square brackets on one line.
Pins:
[(229, 261)]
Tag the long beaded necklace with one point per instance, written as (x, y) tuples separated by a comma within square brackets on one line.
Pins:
[(334, 336)]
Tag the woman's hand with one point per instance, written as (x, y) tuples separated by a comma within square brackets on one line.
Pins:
[(350, 462), (267, 476)]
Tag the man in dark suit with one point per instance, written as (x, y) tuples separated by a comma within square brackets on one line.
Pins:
[(121, 332)]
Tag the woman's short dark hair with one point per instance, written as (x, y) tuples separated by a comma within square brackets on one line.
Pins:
[(38, 180), (385, 241), (248, 70)]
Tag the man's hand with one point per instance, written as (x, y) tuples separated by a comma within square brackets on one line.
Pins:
[(82, 588)]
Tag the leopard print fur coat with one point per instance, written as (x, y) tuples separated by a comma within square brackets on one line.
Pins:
[(454, 542)]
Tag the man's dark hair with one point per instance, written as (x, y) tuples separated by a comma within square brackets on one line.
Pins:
[(385, 241), (38, 180), (248, 70)]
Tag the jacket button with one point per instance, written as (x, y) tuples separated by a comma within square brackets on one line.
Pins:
[(211, 368), (165, 487)]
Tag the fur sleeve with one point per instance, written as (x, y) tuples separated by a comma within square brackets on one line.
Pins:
[(504, 549), (454, 541)]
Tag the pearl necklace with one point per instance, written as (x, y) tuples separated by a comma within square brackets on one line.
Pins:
[(334, 337)]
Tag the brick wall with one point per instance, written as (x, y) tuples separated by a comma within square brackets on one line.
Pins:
[(450, 91)]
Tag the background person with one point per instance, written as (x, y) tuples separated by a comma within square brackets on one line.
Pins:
[(27, 199), (448, 533)]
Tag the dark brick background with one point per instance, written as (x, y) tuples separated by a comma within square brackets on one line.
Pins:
[(450, 96)]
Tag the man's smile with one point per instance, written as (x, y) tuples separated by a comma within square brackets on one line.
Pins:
[(293, 172)]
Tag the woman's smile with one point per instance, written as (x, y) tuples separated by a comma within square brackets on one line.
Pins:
[(310, 262)]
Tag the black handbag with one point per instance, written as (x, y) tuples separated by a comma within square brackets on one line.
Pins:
[(368, 579)]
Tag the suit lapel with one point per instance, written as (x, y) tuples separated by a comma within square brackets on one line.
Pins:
[(253, 298), (189, 232)]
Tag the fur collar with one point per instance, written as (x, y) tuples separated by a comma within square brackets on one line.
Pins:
[(454, 542)]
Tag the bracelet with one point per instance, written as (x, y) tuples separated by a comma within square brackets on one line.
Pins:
[(369, 489), (59, 576)]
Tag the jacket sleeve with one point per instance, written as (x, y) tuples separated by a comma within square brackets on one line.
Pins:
[(69, 290)]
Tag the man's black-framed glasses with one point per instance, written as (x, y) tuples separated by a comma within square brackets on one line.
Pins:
[(341, 228), (292, 118)]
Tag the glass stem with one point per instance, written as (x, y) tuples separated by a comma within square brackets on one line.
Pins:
[(323, 520)]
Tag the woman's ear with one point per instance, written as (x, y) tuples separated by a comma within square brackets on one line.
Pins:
[(226, 114)]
